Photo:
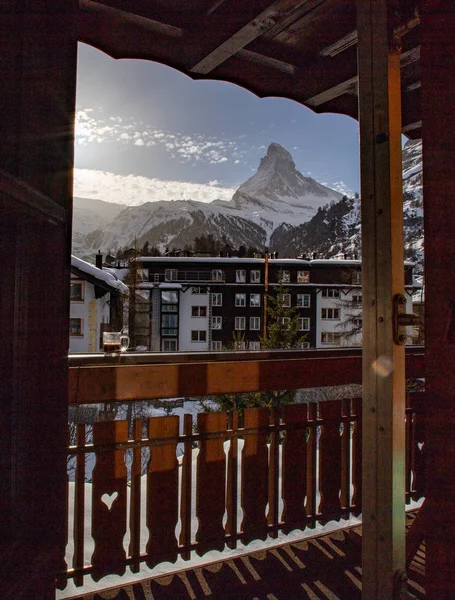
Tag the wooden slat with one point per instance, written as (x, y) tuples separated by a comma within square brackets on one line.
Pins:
[(345, 495), (418, 444), (79, 505), (110, 482), (211, 474), (274, 472), (185, 498), (294, 466), (135, 498), (357, 457), (232, 483), (311, 485), (162, 491), (255, 471), (330, 461)]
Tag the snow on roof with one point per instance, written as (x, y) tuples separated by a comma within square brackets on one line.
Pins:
[(103, 276)]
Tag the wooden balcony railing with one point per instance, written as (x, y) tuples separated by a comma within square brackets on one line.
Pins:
[(240, 477)]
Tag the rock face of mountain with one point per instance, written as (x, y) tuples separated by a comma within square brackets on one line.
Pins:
[(335, 230), (277, 194)]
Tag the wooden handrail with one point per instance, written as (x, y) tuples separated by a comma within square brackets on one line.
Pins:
[(96, 378)]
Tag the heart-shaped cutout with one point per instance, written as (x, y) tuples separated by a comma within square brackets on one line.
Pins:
[(109, 499), (420, 445)]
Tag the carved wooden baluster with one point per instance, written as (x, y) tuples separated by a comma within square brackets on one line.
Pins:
[(232, 483), (294, 467), (255, 471), (311, 463), (187, 479), (356, 411), (345, 495), (419, 401), (135, 498), (274, 467), (109, 500), (330, 460), (79, 506), (211, 484), (162, 491), (408, 450)]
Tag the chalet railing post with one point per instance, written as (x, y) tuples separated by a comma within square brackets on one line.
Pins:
[(383, 550)]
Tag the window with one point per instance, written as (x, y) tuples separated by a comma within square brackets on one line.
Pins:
[(284, 300), (285, 320), (330, 293), (169, 345), (255, 299), (255, 323), (255, 276), (304, 345), (304, 324), (169, 301), (356, 277), (303, 277), (198, 290), (77, 291), (330, 337), (357, 322), (240, 276), (254, 345), (217, 275), (216, 346), (217, 299), (240, 345), (331, 313), (198, 311), (284, 276), (240, 323), (357, 300), (303, 300), (169, 324), (76, 328), (198, 336), (170, 275), (240, 299), (217, 322)]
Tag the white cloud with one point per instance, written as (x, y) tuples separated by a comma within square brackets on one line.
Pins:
[(133, 190), (92, 128)]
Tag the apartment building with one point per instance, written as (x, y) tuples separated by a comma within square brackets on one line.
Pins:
[(95, 304), (204, 303)]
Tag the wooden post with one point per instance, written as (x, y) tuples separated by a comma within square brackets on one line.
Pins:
[(383, 545), (38, 49), (438, 125)]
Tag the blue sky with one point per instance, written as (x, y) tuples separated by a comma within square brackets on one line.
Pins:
[(144, 130)]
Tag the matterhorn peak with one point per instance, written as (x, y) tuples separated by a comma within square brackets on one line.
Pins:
[(277, 158)]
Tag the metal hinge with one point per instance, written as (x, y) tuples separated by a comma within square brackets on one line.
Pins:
[(401, 319)]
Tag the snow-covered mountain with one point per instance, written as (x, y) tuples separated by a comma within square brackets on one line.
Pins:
[(277, 206), (335, 230), (277, 194)]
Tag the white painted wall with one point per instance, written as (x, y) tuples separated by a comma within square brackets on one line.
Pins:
[(93, 312), (187, 323)]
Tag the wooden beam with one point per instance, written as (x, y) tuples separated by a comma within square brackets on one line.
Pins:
[(383, 535), (189, 377), (350, 85), (438, 146), (240, 38)]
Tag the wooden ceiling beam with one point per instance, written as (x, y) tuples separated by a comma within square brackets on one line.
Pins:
[(349, 86), (236, 34)]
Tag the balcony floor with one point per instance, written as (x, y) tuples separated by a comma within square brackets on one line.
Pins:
[(326, 567)]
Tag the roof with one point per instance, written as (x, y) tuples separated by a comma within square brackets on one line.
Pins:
[(105, 278), (305, 50)]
